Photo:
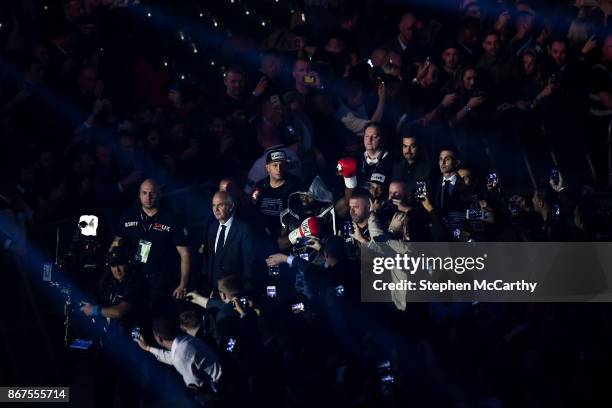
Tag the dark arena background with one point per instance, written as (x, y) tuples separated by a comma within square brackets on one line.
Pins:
[(187, 186)]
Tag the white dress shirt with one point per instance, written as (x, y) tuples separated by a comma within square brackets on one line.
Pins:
[(228, 225), (453, 181), (192, 358), (374, 160), (401, 43)]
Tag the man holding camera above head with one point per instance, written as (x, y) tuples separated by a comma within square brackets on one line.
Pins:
[(158, 241)]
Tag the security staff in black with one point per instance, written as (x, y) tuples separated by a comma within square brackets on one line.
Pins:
[(120, 308), (159, 244)]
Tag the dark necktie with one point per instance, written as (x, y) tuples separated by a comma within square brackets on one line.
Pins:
[(446, 194), (221, 240)]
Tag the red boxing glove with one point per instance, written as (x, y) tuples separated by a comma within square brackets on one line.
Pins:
[(308, 228), (347, 168)]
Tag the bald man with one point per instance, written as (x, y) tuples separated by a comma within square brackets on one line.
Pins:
[(405, 38), (157, 239), (228, 245)]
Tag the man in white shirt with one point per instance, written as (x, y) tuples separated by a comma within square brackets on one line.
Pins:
[(191, 357)]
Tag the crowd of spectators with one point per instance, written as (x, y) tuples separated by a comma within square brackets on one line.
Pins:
[(316, 128)]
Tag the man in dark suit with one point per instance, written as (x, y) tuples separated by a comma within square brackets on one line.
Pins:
[(451, 193), (228, 245)]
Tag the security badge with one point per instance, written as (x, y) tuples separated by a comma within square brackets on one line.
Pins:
[(142, 254)]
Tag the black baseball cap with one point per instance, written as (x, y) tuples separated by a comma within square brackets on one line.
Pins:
[(276, 155), (117, 256)]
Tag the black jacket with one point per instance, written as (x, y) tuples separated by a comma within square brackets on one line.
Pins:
[(460, 197), (420, 171), (237, 256)]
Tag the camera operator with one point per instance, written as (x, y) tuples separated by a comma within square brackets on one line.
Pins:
[(120, 300), (157, 238), (121, 304)]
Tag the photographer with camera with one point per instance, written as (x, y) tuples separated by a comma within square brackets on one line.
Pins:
[(120, 304), (120, 300)]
